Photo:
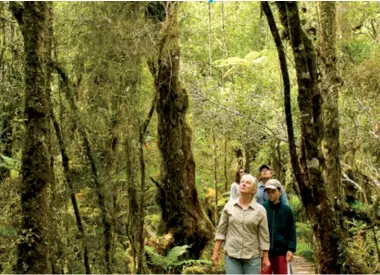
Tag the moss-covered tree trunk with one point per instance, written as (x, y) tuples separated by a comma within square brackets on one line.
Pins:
[(6, 137), (133, 206), (225, 161), (32, 251), (314, 192), (182, 214), (333, 256), (215, 175), (330, 95), (107, 233), (66, 169), (286, 82), (6, 108)]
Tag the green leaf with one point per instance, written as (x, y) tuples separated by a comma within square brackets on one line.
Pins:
[(9, 163), (177, 251)]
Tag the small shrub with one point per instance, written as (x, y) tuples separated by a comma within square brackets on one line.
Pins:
[(305, 250), (172, 259)]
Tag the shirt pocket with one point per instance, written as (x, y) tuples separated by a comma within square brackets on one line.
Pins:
[(231, 217), (253, 222)]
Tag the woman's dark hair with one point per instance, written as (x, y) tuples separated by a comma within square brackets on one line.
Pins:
[(238, 176)]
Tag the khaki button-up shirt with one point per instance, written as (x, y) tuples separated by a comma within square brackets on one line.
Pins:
[(245, 232)]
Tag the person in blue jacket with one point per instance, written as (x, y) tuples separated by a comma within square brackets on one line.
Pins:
[(265, 175), (282, 230)]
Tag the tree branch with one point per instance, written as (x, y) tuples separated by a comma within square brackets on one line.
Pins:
[(237, 113), (356, 214), (17, 10), (145, 125), (287, 99), (346, 178), (158, 185)]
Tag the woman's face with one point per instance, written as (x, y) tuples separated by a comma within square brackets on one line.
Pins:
[(247, 185)]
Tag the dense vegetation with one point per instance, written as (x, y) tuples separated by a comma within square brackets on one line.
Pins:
[(123, 125)]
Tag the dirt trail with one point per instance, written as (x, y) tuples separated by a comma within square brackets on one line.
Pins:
[(301, 266)]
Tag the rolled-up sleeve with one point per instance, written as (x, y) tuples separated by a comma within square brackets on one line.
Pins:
[(264, 232), (221, 230)]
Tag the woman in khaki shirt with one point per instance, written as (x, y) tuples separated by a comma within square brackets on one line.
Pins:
[(243, 228)]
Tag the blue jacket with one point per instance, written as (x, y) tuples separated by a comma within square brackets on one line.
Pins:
[(262, 196), (282, 229)]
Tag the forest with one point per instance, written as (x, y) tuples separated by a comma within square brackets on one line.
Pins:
[(123, 125)]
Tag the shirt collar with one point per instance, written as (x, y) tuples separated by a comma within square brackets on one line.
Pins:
[(252, 204), (235, 201)]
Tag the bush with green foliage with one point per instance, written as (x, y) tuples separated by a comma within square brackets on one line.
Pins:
[(172, 260), (305, 242)]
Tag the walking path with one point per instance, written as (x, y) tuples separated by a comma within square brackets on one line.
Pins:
[(301, 266)]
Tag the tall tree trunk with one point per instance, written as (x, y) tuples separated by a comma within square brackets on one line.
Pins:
[(209, 39), (225, 55), (66, 169), (6, 137), (95, 176), (215, 177), (111, 161), (225, 161), (51, 213), (287, 98), (249, 150), (225, 46), (143, 128), (332, 250), (278, 165), (182, 214), (133, 206), (6, 107), (101, 200), (326, 223), (330, 95), (36, 169)]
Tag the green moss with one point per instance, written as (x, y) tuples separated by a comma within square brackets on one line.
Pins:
[(196, 269)]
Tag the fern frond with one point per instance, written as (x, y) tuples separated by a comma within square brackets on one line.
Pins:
[(156, 259), (175, 252)]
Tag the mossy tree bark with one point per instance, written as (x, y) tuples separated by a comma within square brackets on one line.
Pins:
[(333, 256), (182, 214), (215, 176), (313, 189), (32, 251), (286, 82), (7, 115), (330, 95), (133, 205), (10, 88)]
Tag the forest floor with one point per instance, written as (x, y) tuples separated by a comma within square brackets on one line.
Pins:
[(302, 266)]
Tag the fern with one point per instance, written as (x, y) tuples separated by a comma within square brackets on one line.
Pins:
[(175, 252), (171, 260)]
